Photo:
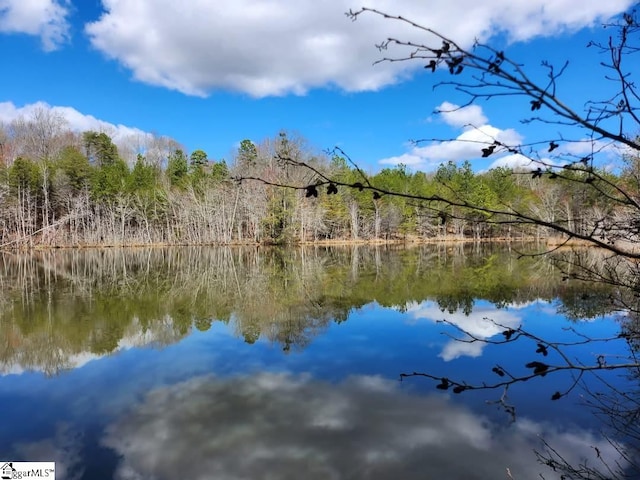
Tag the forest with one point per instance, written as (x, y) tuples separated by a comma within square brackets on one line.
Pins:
[(62, 188)]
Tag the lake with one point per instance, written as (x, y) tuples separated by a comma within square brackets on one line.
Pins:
[(266, 363)]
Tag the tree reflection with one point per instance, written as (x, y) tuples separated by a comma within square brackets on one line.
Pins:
[(61, 308)]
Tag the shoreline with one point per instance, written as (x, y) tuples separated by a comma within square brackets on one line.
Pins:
[(409, 241)]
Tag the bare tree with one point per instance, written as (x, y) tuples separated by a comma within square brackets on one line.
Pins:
[(41, 137)]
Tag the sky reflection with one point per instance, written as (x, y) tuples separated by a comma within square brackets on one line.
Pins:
[(213, 406), (277, 425), (483, 322)]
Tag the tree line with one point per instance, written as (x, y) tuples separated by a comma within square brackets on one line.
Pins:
[(63, 188)]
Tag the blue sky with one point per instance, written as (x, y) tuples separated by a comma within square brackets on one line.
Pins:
[(210, 73)]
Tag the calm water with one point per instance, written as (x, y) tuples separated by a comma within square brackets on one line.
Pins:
[(284, 364)]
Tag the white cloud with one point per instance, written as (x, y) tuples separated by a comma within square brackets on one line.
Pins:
[(514, 160), (277, 425), (130, 140), (76, 120), (277, 47), (44, 18), (574, 150), (567, 152), (408, 159), (476, 135), (462, 117)]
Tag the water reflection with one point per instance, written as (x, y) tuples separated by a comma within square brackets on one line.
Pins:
[(253, 363), (65, 448), (482, 322), (283, 426), (61, 309)]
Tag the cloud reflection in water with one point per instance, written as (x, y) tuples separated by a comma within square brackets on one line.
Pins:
[(65, 448), (483, 322), (279, 426)]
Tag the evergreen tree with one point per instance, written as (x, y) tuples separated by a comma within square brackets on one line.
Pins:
[(75, 166), (177, 168), (143, 176), (100, 150)]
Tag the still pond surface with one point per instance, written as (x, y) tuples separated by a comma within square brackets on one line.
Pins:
[(217, 363)]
